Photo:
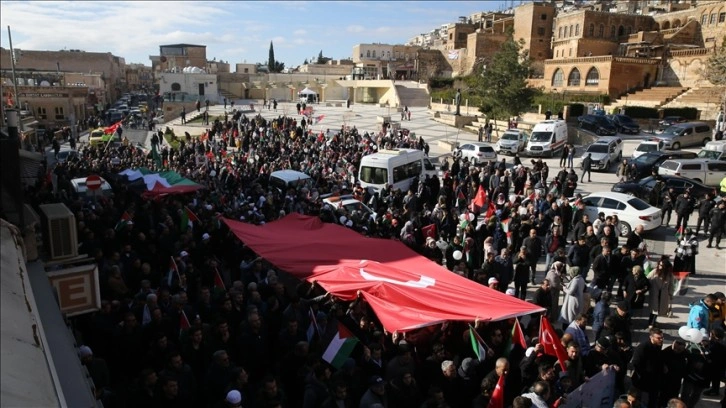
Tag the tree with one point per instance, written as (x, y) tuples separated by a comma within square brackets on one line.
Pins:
[(320, 58), (715, 70), (305, 62), (279, 66), (502, 83), (271, 60)]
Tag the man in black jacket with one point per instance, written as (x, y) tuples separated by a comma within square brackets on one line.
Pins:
[(534, 251), (718, 224), (684, 208), (704, 209), (649, 366)]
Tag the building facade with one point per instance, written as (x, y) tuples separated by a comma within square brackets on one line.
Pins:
[(188, 87), (175, 57)]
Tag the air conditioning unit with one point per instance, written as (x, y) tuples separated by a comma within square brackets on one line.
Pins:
[(59, 231)]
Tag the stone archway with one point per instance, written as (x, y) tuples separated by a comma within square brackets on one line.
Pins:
[(676, 23), (666, 25)]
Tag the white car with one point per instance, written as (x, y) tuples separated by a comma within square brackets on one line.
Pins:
[(348, 206), (648, 146), (476, 152), (630, 210), (512, 141), (604, 152)]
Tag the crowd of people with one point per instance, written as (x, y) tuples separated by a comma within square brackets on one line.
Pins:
[(225, 328)]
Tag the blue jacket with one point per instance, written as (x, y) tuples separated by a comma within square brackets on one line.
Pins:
[(698, 317)]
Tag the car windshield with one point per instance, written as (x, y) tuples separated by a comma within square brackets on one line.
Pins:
[(510, 136), (373, 175), (673, 131), (488, 149), (709, 154), (646, 159), (597, 148), (638, 204), (541, 136), (645, 181), (625, 119), (647, 147)]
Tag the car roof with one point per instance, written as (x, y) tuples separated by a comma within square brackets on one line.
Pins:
[(690, 180), (688, 161), (480, 144), (289, 175), (609, 194)]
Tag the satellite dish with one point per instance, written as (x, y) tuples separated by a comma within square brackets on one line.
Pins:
[(45, 83)]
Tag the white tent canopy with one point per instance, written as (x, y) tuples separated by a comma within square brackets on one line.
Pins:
[(307, 91)]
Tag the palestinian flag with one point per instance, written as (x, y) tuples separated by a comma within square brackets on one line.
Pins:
[(477, 343), (218, 282), (173, 269), (124, 221), (517, 338), (679, 233), (188, 218), (340, 347)]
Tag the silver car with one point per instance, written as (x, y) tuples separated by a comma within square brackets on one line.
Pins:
[(476, 152), (512, 141)]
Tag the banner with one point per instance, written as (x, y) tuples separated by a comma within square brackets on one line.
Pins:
[(596, 393)]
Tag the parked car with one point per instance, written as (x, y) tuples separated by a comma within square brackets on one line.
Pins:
[(713, 150), (348, 206), (644, 164), (708, 172), (604, 152), (598, 124), (100, 137), (630, 210), (686, 134), (669, 121), (642, 188), (649, 145), (512, 141), (625, 124), (476, 152)]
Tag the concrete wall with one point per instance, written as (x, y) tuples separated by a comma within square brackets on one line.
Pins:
[(685, 66), (189, 84)]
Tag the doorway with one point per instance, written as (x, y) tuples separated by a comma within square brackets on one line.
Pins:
[(201, 89), (646, 81)]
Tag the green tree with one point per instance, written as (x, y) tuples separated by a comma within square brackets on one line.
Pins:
[(305, 62), (279, 66), (320, 58), (715, 70), (502, 82), (271, 60)]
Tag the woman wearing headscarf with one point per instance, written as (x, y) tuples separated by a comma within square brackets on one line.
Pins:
[(574, 290), (635, 287), (686, 252), (661, 290)]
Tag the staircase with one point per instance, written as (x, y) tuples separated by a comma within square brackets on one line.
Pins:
[(409, 94), (229, 95), (707, 100), (651, 97)]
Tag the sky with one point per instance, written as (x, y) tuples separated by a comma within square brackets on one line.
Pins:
[(233, 31)]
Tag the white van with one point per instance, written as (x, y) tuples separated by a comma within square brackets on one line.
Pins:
[(285, 179), (547, 138), (713, 150), (80, 189), (395, 167)]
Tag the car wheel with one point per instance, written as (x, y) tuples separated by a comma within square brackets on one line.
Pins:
[(676, 146), (625, 229)]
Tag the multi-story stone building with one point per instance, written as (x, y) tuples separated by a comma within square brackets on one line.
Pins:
[(139, 77), (111, 67), (385, 60), (175, 57)]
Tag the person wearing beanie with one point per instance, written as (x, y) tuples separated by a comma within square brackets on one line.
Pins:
[(97, 369)]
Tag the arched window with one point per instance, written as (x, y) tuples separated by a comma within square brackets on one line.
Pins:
[(559, 32), (630, 30), (374, 53), (666, 25), (176, 87), (601, 31), (621, 31), (577, 29), (591, 30), (572, 30), (558, 78), (612, 32), (368, 54), (566, 35), (574, 78), (593, 77)]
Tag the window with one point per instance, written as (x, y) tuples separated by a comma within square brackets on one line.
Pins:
[(713, 18), (612, 32), (591, 201), (574, 78), (59, 113), (558, 78), (577, 29), (543, 17), (630, 30), (721, 18), (720, 167), (388, 54), (540, 31), (621, 31), (601, 31), (42, 114), (704, 19), (374, 53), (566, 31), (247, 70), (593, 77), (572, 30), (175, 87), (559, 32), (368, 54), (591, 30), (570, 53), (611, 204)]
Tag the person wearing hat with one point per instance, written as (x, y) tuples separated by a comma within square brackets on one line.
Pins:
[(600, 358), (376, 393), (97, 369), (622, 322)]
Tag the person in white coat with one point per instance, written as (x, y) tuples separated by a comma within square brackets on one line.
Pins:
[(574, 289)]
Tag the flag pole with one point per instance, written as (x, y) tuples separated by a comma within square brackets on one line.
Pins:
[(16, 102)]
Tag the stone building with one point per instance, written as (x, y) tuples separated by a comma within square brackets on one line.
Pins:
[(175, 57), (189, 86), (383, 61), (139, 77), (111, 67)]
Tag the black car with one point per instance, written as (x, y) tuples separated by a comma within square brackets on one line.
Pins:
[(625, 124), (598, 124), (650, 161), (642, 188)]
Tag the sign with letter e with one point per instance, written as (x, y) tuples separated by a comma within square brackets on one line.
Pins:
[(77, 289)]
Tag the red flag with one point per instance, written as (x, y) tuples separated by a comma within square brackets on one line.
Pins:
[(112, 129), (518, 335), (461, 195), (172, 269), (218, 282), (429, 231), (190, 215), (497, 399), (491, 210), (551, 342), (480, 199), (532, 197), (183, 322)]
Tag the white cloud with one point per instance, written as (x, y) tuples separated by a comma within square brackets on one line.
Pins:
[(355, 28), (299, 32)]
